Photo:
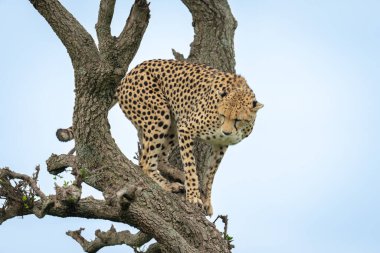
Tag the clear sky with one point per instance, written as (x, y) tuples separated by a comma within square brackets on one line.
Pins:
[(306, 180)]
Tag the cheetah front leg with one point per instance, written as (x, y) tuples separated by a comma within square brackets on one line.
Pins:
[(218, 153), (186, 144), (155, 138)]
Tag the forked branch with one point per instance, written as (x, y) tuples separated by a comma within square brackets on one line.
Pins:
[(78, 42), (103, 28), (130, 38)]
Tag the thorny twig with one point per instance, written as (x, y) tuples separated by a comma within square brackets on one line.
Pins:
[(227, 237)]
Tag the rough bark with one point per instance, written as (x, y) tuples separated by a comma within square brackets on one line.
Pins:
[(130, 196)]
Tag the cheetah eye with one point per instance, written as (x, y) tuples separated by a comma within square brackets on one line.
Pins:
[(254, 104), (236, 123), (223, 93)]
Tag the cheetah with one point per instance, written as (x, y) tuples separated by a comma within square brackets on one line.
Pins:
[(175, 102)]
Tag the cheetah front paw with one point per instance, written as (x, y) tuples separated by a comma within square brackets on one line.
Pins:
[(195, 200), (208, 207), (175, 187)]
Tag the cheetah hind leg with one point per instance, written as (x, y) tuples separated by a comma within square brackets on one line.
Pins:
[(152, 150), (166, 168)]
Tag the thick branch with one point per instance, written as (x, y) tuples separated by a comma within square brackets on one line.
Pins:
[(89, 208), (130, 38), (103, 28), (214, 28), (58, 163), (78, 42), (109, 238)]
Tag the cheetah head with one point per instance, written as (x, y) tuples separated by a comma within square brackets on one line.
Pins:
[(237, 111)]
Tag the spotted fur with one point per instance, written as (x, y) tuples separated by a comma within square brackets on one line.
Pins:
[(173, 103)]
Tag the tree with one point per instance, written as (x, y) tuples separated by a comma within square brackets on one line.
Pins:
[(130, 197)]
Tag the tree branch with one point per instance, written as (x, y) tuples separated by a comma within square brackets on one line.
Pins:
[(58, 163), (109, 238), (21, 195), (103, 28), (130, 38), (7, 174), (178, 56), (214, 28), (78, 42)]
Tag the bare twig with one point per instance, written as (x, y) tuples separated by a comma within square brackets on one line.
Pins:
[(178, 56), (20, 193), (227, 237), (224, 219), (7, 174)]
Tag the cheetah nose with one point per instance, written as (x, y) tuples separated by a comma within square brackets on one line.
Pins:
[(226, 133)]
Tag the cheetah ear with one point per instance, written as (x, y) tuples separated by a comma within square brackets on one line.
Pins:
[(223, 93), (257, 105), (240, 81)]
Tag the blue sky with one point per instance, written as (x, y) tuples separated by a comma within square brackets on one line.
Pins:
[(306, 180)]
